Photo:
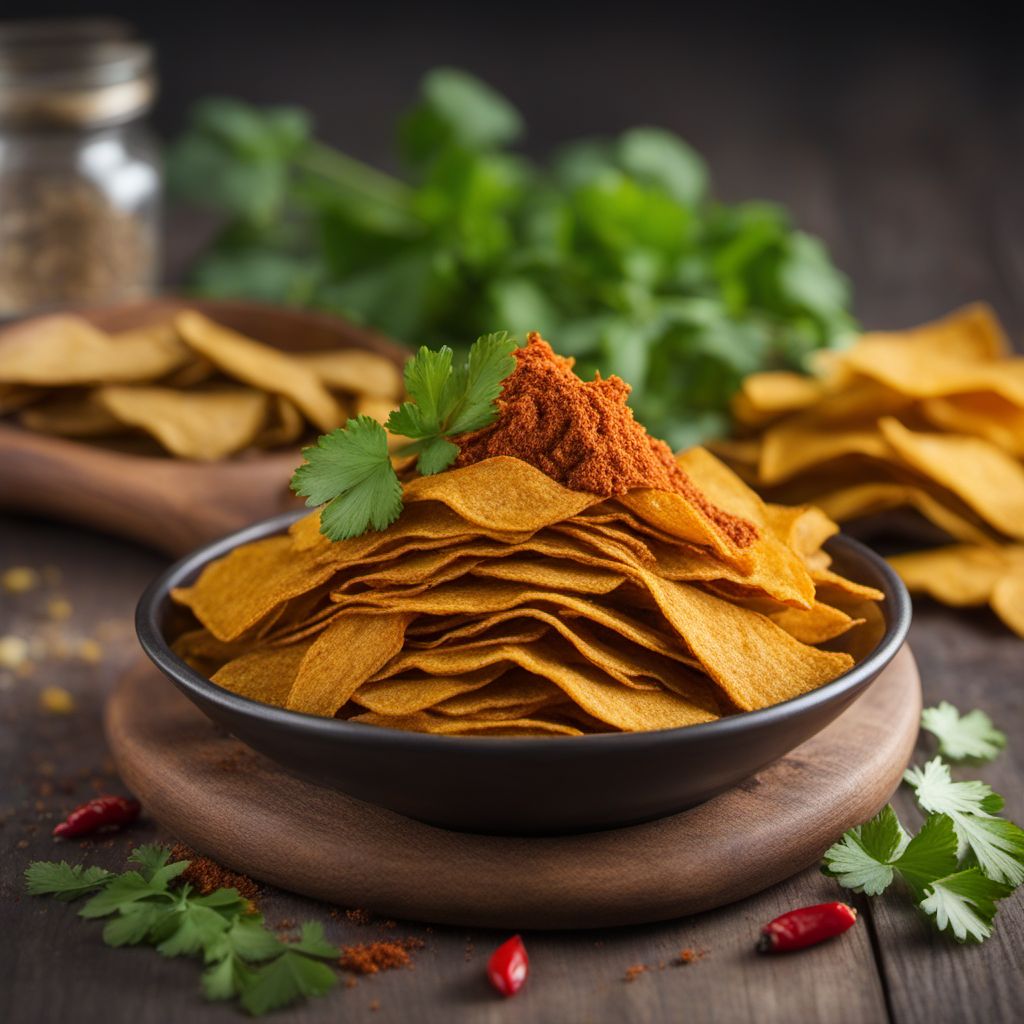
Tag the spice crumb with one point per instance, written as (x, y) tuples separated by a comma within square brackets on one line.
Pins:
[(207, 875), (372, 957), (375, 1006), (689, 956), (634, 972), (351, 982), (359, 916)]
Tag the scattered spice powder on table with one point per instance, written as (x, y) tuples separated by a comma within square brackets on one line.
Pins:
[(689, 956), (358, 915), (207, 875), (634, 972), (583, 434), (371, 957)]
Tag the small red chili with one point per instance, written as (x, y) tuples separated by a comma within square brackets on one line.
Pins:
[(508, 966), (103, 812), (807, 926)]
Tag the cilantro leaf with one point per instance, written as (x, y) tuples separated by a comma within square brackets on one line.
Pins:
[(964, 903), (351, 470), (435, 455), (188, 929), (930, 854), (247, 938), (937, 793), (284, 980), (863, 859), (426, 375), (47, 878), (490, 362), (312, 942), (135, 923), (123, 890), (150, 857), (997, 844), (963, 736), (227, 978)]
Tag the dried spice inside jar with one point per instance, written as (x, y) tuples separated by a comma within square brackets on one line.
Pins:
[(64, 242)]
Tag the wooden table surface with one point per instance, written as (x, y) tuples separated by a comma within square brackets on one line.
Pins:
[(909, 165)]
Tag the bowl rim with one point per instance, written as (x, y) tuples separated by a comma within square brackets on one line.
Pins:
[(155, 598)]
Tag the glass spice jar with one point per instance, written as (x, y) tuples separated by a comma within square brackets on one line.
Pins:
[(80, 177)]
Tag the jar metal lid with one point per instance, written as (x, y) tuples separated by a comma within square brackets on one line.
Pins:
[(73, 80)]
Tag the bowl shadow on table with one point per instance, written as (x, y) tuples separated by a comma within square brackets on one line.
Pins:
[(169, 504)]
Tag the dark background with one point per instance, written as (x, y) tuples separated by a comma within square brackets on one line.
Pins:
[(894, 131)]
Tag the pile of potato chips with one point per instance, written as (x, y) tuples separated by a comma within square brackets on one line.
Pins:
[(503, 604), (931, 420), (188, 386)]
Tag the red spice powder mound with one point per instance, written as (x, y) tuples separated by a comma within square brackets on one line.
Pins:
[(206, 875), (583, 434)]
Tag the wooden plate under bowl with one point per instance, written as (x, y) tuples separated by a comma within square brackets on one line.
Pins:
[(170, 504)]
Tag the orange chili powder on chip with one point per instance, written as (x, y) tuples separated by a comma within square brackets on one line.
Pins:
[(583, 434)]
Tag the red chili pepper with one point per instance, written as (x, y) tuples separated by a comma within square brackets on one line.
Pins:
[(104, 811), (508, 966), (805, 927)]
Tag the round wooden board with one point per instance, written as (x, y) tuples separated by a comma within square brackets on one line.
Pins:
[(234, 805)]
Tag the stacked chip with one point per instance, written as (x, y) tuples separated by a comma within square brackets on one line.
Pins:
[(502, 603), (186, 385), (930, 420)]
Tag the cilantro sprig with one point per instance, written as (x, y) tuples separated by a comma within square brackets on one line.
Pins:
[(147, 906), (349, 470), (963, 859), (963, 737)]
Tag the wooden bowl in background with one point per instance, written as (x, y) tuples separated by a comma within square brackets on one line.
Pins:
[(170, 504)]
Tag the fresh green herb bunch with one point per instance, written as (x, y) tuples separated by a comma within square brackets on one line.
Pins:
[(615, 249), (149, 906)]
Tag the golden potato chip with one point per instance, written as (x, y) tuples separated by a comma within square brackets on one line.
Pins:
[(260, 366), (508, 629), (342, 658), (273, 572), (196, 371), (203, 425), (788, 449), (982, 475), (961, 353), (980, 415), (803, 529), (755, 661), (66, 350), (829, 584), (814, 625), (356, 371), (553, 573), (500, 494), (407, 693), (265, 674), (870, 498), (514, 694), (469, 725), (763, 396), (1008, 599), (75, 415), (960, 574), (285, 424)]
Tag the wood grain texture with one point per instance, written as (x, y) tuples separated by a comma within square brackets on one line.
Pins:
[(261, 821), (170, 504)]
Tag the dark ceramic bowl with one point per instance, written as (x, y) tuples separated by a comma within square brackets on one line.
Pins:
[(528, 786)]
